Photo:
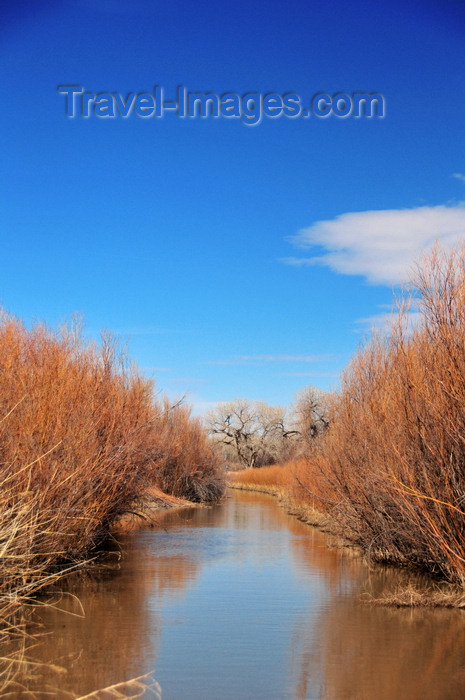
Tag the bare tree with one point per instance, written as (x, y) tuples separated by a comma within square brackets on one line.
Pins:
[(311, 413), (253, 430)]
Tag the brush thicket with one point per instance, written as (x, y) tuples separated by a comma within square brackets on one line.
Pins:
[(393, 462), (81, 440)]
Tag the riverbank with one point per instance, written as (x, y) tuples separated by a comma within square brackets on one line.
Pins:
[(282, 482), (149, 511), (87, 446), (390, 464), (259, 589)]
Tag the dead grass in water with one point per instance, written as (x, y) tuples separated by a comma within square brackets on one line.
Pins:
[(414, 597)]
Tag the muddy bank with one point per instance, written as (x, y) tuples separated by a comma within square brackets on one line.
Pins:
[(149, 511)]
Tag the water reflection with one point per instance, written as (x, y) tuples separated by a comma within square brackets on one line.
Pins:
[(366, 652), (243, 601)]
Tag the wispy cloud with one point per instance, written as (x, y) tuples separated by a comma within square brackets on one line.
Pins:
[(308, 374), (156, 369), (200, 407), (459, 176), (146, 330), (384, 321), (257, 359), (187, 380), (380, 245)]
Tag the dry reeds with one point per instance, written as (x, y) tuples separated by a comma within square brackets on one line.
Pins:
[(392, 466), (285, 481), (276, 479), (143, 686), (81, 440), (186, 463), (73, 426), (415, 597)]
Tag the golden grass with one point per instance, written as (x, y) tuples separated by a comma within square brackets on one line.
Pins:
[(274, 479), (286, 483)]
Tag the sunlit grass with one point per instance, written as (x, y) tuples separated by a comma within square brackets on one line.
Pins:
[(285, 481)]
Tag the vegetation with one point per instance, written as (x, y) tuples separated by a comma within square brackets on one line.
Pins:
[(186, 463), (277, 479), (286, 482), (389, 465), (82, 439), (253, 433), (393, 463), (311, 415)]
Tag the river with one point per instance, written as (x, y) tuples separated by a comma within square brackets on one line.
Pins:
[(242, 601)]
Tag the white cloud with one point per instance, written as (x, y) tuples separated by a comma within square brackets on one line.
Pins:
[(308, 374), (384, 321), (156, 369), (459, 176), (186, 380), (380, 245), (249, 359)]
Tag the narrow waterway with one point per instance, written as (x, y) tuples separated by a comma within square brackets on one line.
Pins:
[(242, 601)]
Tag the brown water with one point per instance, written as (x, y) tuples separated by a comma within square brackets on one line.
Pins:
[(241, 601)]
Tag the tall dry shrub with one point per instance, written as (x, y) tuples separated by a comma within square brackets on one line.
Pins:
[(81, 440), (186, 462), (74, 428), (394, 458)]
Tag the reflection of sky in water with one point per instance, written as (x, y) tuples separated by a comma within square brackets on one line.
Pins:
[(241, 601), (232, 630)]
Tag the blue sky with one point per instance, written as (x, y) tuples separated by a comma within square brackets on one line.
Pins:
[(237, 260)]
